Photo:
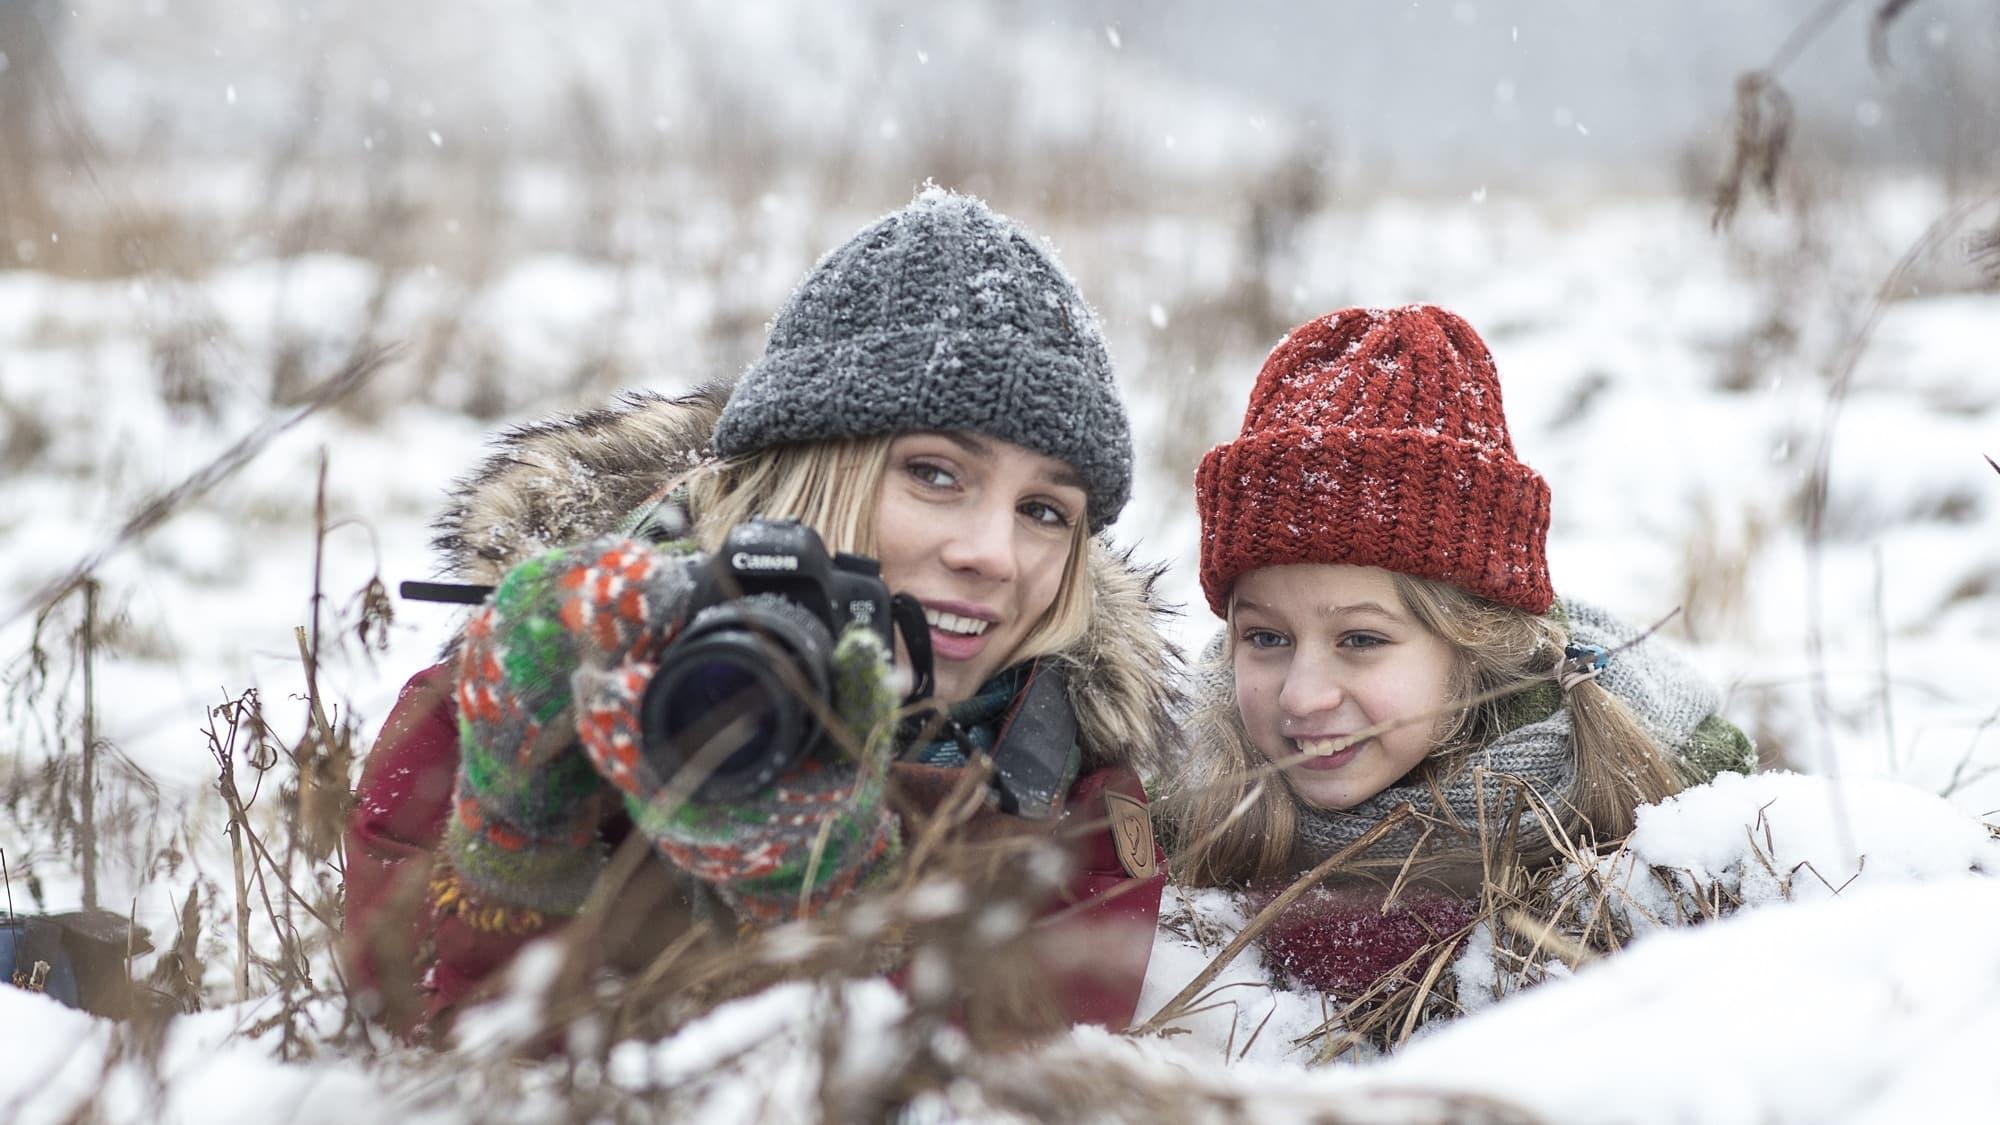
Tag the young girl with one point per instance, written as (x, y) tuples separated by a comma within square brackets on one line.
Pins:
[(1377, 552), (935, 395)]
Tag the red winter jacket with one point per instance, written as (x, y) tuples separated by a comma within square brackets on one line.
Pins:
[(421, 963)]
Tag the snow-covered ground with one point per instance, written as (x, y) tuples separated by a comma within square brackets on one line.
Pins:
[(1676, 386), (1875, 999)]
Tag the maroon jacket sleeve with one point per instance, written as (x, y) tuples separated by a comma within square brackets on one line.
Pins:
[(1341, 939), (410, 959)]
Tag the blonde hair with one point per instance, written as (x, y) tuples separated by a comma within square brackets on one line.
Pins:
[(835, 487), (1233, 820)]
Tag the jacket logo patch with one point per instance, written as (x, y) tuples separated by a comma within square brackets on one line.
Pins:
[(1132, 830)]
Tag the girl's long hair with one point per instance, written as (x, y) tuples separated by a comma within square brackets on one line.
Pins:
[(1231, 820), (834, 487)]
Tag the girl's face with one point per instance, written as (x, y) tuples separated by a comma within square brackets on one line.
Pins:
[(979, 530), (1322, 652)]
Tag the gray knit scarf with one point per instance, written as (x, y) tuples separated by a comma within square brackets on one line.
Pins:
[(1667, 696)]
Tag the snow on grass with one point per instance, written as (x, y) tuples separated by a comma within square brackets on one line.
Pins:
[(1787, 837)]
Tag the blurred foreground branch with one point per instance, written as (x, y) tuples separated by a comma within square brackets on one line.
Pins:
[(161, 507)]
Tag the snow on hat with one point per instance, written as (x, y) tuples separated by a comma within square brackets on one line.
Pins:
[(940, 316), (1375, 437)]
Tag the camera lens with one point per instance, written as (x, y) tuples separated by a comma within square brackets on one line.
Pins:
[(724, 687), (727, 711)]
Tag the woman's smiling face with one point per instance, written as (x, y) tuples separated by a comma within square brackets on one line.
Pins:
[(979, 530), (1321, 652)]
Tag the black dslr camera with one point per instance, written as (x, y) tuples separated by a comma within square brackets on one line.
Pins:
[(740, 694)]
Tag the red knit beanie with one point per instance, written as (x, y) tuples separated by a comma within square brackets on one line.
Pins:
[(1375, 437)]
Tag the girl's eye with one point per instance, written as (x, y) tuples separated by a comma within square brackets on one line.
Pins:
[(931, 473), (1046, 514), (1363, 640), (1264, 638)]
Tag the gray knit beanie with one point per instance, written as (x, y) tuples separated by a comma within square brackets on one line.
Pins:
[(940, 316)]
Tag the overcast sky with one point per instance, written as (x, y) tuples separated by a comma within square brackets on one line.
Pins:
[(1420, 81)]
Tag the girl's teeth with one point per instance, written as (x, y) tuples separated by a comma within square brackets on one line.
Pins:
[(953, 623), (1318, 747)]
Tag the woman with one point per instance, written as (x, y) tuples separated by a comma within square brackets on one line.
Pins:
[(1392, 639), (936, 395)]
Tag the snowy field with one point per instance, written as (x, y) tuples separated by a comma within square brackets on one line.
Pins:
[(1685, 392)]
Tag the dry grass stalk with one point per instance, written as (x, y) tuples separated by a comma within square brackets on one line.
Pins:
[(63, 795), (1762, 133), (1886, 13), (1962, 774), (224, 750), (245, 737), (1984, 251), (1573, 953), (178, 971), (325, 758), (1893, 285), (161, 507), (1764, 114), (87, 797)]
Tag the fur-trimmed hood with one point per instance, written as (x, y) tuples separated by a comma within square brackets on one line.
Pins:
[(568, 478)]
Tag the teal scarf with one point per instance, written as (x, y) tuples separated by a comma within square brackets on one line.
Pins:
[(978, 718)]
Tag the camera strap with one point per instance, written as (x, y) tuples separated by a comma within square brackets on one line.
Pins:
[(1036, 746), (663, 520), (450, 593), (908, 614)]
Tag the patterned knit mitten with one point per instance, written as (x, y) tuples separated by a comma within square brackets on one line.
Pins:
[(523, 837), (810, 837)]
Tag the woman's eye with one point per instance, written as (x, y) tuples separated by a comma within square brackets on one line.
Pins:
[(1263, 638), (932, 474), (1363, 640), (1045, 513)]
